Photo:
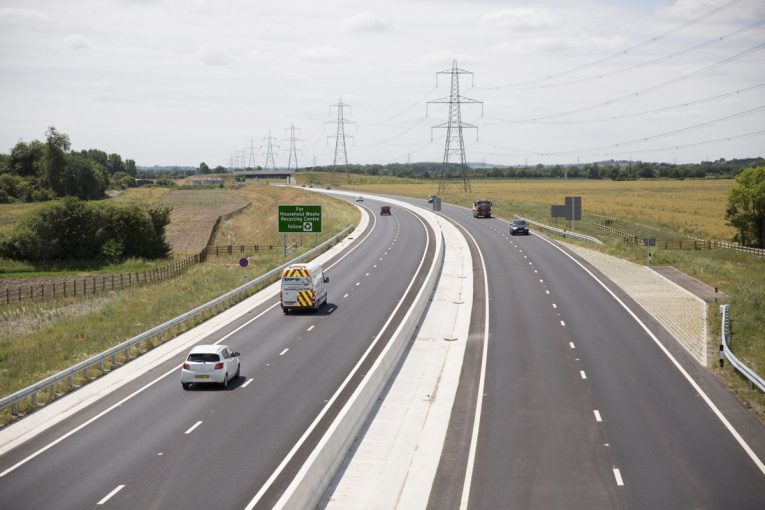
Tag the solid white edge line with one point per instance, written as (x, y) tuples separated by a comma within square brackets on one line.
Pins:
[(171, 371), (674, 361), (598, 418), (481, 383), (618, 476), (111, 494), (191, 429), (337, 393)]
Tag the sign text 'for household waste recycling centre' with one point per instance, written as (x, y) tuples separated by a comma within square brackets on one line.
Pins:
[(299, 218)]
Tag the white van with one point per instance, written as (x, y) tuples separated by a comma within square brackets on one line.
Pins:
[(304, 287)]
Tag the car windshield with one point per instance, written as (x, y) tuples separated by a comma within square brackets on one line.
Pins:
[(203, 356), (520, 223)]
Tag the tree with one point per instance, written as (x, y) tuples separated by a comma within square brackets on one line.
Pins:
[(203, 168), (746, 207), (130, 168), (57, 144), (114, 163)]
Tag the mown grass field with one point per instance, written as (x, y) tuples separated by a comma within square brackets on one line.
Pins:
[(663, 209), (41, 338)]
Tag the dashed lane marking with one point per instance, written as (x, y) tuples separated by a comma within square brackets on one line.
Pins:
[(284, 351), (584, 376), (247, 382), (571, 344), (111, 494), (597, 415), (312, 326), (618, 476), (191, 429), (345, 296)]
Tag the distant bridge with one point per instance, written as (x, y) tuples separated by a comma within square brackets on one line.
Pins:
[(265, 174)]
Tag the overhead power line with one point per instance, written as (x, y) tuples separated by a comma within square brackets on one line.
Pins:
[(660, 85), (640, 65), (646, 42)]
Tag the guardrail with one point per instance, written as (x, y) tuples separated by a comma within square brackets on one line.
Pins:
[(81, 371), (725, 351), (564, 233)]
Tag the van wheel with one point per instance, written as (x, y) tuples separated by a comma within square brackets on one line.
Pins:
[(285, 310)]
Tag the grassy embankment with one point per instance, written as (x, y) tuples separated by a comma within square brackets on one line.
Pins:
[(39, 339), (662, 209)]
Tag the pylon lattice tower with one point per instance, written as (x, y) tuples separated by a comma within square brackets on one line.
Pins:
[(251, 157), (341, 151), (269, 154), (293, 149), (455, 145)]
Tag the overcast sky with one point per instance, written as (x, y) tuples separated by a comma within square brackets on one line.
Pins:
[(178, 82)]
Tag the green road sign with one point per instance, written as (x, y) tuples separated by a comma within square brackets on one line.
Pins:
[(299, 219)]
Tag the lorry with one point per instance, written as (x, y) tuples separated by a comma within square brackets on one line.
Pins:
[(482, 209), (304, 287)]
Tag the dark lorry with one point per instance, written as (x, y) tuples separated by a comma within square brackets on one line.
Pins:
[(482, 209)]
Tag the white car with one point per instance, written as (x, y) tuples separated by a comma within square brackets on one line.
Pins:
[(359, 198), (217, 364)]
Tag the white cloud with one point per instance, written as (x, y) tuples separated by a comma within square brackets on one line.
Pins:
[(518, 19), (324, 53), (365, 22), (78, 42), (16, 14), (215, 56)]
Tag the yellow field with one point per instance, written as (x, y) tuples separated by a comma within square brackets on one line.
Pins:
[(10, 214), (693, 207)]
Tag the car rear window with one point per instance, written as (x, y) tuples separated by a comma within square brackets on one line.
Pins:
[(203, 357)]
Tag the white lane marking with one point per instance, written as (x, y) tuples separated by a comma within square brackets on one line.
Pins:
[(312, 326), (555, 306), (267, 485), (284, 351), (112, 493), (541, 280), (191, 429), (563, 323), (381, 258), (345, 296), (247, 382), (547, 292), (618, 476), (572, 345), (536, 271), (584, 376), (733, 432), (366, 274), (531, 263), (481, 384), (597, 415), (358, 283), (374, 265)]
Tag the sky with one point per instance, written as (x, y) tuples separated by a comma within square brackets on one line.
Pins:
[(179, 82)]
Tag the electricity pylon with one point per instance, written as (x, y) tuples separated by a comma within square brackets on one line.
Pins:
[(341, 151), (293, 150), (455, 144), (269, 154), (251, 157)]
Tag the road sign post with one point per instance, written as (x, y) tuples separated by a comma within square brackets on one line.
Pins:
[(648, 242), (298, 219)]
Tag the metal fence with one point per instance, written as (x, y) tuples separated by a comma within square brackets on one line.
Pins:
[(725, 351), (52, 387), (564, 233)]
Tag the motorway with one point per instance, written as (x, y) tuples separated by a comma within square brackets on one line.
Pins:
[(167, 448), (580, 407)]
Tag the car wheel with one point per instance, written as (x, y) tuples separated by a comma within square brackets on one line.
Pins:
[(186, 385), (238, 368), (224, 384)]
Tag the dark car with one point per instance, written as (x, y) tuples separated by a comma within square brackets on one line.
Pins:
[(385, 210), (431, 198), (519, 227)]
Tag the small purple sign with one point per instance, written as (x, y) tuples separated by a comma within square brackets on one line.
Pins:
[(244, 262)]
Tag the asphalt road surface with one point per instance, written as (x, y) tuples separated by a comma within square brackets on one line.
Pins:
[(581, 408), (210, 448)]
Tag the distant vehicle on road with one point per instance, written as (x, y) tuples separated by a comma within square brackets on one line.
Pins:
[(431, 198), (482, 209), (519, 227), (217, 364), (304, 287), (359, 198), (385, 210)]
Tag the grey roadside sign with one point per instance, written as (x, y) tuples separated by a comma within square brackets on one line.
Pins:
[(299, 219)]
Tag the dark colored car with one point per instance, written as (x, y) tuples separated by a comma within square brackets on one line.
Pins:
[(518, 227), (385, 210)]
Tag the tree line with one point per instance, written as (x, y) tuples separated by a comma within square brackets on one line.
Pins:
[(614, 170), (43, 170)]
